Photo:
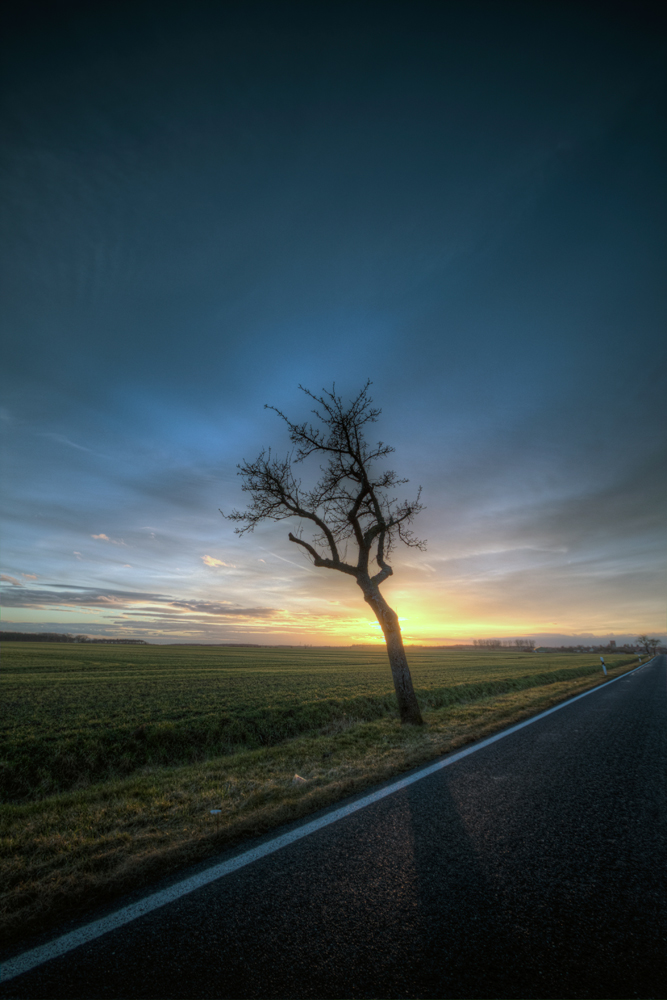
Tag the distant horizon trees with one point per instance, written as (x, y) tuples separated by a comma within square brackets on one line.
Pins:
[(648, 644), (36, 637), (526, 645), (64, 637), (351, 504)]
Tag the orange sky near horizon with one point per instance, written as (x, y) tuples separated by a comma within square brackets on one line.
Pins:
[(430, 614)]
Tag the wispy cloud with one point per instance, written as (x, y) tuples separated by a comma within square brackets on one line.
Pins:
[(133, 602), (61, 439), (62, 594), (10, 579), (105, 538), (217, 608), (499, 291)]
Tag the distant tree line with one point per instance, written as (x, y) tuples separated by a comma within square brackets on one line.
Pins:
[(525, 645), (644, 644), (64, 637)]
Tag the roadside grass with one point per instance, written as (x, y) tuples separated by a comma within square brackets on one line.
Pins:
[(65, 853)]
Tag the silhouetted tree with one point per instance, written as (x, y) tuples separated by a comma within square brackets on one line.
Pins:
[(350, 502), (647, 644)]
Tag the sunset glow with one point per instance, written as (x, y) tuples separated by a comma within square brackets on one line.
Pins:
[(464, 206)]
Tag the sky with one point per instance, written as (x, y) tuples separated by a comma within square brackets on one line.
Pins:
[(207, 204)]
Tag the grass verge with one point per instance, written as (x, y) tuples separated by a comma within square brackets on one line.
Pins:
[(65, 854)]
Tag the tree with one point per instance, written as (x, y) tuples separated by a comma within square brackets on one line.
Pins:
[(350, 503), (647, 644), (525, 645)]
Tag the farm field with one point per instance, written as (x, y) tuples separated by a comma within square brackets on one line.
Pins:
[(113, 756), (77, 714)]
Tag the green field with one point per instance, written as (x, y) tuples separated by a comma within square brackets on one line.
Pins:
[(75, 715), (113, 756)]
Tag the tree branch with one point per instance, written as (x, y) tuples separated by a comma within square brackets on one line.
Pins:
[(348, 501), (326, 563)]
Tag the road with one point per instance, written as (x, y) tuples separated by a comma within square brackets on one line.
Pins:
[(534, 867)]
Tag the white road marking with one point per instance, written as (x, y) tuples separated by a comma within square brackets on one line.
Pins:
[(60, 946)]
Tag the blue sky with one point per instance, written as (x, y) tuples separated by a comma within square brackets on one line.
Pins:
[(208, 204)]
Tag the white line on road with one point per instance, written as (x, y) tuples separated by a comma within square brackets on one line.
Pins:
[(60, 946)]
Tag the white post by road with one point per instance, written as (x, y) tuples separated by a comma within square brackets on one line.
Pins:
[(603, 666)]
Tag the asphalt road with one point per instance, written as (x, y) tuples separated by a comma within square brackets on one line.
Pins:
[(535, 867)]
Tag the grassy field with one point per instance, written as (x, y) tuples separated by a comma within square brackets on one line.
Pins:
[(112, 756)]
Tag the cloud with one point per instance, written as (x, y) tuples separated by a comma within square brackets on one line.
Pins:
[(62, 594), (210, 561), (494, 411), (11, 579), (105, 538), (134, 602), (179, 484), (61, 439), (29, 576), (216, 608)]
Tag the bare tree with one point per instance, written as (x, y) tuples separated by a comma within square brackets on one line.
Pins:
[(647, 644), (350, 503)]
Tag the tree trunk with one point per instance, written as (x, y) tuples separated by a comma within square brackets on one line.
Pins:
[(408, 705)]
